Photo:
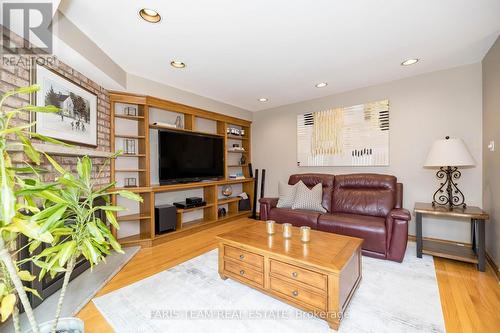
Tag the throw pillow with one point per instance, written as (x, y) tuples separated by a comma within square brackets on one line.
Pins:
[(286, 195), (309, 199)]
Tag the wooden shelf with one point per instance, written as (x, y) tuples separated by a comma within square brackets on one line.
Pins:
[(236, 137), (124, 116), (132, 155), (223, 201), (133, 217), (137, 189), (182, 130), (237, 165), (139, 239), (185, 210), (130, 170), (165, 188), (235, 215), (124, 136), (450, 251)]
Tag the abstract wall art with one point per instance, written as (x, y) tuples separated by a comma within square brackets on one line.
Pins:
[(345, 136)]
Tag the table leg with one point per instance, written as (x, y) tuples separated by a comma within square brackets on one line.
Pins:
[(419, 234), (473, 234), (481, 251)]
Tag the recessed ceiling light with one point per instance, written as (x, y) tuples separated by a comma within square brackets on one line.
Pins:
[(150, 15), (263, 100), (321, 85), (409, 62), (177, 64)]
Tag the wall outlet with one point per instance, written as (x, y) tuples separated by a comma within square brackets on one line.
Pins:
[(491, 145)]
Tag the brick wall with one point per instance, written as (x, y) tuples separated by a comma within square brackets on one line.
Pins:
[(12, 77)]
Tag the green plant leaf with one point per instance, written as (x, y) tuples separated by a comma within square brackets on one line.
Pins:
[(33, 246), (111, 218), (51, 196), (7, 198), (54, 218), (67, 251), (33, 291), (84, 167), (31, 152), (47, 212), (47, 108), (7, 306), (51, 140), (56, 165), (3, 289), (25, 276), (111, 208), (30, 229), (93, 256), (114, 244), (130, 195), (95, 232)]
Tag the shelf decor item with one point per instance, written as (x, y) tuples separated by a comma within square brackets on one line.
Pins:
[(178, 122), (270, 227), (130, 182), (227, 190), (130, 111), (447, 155), (76, 120), (305, 234), (287, 230), (129, 146)]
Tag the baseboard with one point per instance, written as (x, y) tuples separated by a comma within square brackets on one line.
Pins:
[(489, 259), (494, 266)]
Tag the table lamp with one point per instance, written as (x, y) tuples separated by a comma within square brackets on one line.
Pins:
[(447, 155)]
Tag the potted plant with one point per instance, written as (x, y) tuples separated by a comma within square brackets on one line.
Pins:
[(61, 214)]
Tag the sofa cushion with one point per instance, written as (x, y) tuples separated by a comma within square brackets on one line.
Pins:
[(364, 194), (311, 179), (308, 199), (370, 228), (286, 195), (297, 218)]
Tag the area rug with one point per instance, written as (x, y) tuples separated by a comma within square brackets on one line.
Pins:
[(191, 297)]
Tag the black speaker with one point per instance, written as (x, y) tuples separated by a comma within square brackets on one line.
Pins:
[(165, 218)]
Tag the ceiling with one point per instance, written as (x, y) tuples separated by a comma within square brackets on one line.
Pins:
[(239, 51)]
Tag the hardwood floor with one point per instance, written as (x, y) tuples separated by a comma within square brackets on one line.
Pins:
[(470, 299)]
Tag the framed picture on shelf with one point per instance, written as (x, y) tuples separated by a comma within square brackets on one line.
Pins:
[(76, 121)]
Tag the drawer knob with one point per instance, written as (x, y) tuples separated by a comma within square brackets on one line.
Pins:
[(242, 256), (295, 293), (242, 272), (295, 274)]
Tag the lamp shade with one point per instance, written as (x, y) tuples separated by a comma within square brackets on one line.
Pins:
[(449, 152)]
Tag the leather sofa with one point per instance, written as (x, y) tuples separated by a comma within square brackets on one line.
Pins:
[(367, 206)]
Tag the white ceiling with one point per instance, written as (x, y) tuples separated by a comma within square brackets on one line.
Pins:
[(238, 51)]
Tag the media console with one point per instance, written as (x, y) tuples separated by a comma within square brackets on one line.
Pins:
[(195, 122)]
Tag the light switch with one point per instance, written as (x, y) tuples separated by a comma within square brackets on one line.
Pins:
[(491, 145)]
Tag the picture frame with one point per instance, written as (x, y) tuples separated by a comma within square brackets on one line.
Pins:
[(77, 121)]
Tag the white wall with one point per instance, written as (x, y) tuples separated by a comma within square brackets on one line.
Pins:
[(491, 159), (422, 109)]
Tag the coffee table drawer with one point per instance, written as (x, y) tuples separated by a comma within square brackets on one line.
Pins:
[(293, 272), (244, 272), (244, 256), (298, 293)]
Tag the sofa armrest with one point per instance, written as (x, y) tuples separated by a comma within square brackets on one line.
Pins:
[(400, 214), (266, 204), (397, 233)]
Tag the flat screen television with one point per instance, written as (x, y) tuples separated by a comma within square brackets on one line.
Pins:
[(187, 157)]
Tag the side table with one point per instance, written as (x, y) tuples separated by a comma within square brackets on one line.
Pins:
[(475, 254)]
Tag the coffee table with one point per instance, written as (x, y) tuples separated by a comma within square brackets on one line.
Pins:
[(320, 276)]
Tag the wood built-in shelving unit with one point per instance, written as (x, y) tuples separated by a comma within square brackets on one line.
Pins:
[(139, 165)]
